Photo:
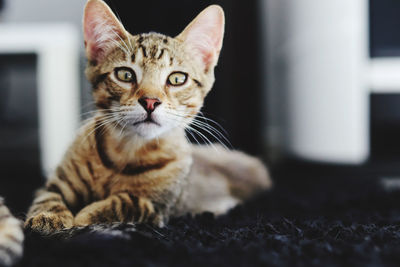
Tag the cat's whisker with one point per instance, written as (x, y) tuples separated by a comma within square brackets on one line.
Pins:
[(208, 142), (207, 128), (214, 122), (103, 117), (183, 127), (91, 112), (122, 128), (201, 135), (201, 115), (194, 137), (210, 129), (112, 109), (94, 129), (108, 120), (219, 141), (119, 120)]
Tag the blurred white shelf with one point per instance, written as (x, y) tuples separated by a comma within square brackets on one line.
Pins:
[(384, 75), (57, 50)]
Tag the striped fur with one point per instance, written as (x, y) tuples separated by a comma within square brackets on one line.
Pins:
[(11, 237), (129, 164)]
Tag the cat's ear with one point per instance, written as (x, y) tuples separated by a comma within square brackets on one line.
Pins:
[(101, 30), (205, 33)]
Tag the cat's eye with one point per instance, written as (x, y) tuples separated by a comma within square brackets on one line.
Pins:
[(177, 78), (125, 75)]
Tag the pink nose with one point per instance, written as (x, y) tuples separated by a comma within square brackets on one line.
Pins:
[(149, 104)]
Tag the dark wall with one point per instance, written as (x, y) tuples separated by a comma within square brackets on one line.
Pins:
[(385, 108), (235, 101), (19, 130), (384, 26)]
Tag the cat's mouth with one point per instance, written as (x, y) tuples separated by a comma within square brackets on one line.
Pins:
[(148, 120)]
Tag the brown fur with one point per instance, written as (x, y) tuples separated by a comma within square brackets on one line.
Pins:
[(11, 237), (116, 172)]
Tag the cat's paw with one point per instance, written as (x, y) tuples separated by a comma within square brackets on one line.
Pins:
[(85, 219), (158, 221), (138, 210), (149, 214), (47, 222)]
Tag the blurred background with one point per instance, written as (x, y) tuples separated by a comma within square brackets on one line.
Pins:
[(305, 81)]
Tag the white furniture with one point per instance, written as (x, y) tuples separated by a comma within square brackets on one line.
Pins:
[(57, 49), (320, 77)]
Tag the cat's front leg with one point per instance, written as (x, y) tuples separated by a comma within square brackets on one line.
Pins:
[(53, 206), (120, 207), (48, 213)]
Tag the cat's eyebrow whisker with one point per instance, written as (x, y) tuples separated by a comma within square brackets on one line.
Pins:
[(120, 46), (122, 40), (129, 40), (110, 39), (130, 45)]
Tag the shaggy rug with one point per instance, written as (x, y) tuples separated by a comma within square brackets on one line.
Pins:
[(310, 218)]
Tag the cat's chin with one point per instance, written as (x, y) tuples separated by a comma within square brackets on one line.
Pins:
[(147, 130)]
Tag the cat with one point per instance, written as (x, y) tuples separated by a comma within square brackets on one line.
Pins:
[(11, 236), (131, 162)]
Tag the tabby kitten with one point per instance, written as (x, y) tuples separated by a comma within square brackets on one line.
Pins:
[(11, 237), (132, 162)]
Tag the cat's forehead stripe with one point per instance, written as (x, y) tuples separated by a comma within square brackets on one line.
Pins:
[(161, 53), (151, 51), (143, 50)]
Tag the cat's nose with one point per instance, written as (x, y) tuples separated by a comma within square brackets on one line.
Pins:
[(149, 104)]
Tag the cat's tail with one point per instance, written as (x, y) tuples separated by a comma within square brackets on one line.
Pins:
[(247, 175), (11, 237)]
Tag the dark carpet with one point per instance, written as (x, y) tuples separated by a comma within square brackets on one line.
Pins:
[(311, 218)]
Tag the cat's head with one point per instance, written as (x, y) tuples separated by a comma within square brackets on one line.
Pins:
[(150, 83)]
